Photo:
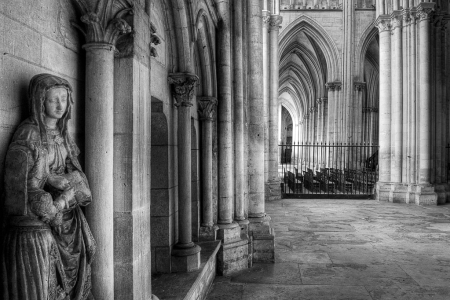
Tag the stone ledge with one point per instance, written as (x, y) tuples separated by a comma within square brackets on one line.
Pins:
[(189, 286)]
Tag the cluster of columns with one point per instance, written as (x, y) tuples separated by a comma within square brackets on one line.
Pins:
[(405, 105)]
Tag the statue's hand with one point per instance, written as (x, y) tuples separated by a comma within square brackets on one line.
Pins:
[(59, 182), (69, 195)]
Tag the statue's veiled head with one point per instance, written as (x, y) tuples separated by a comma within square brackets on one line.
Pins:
[(50, 96)]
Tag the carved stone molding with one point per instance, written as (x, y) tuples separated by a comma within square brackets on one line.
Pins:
[(154, 40), (206, 108), (425, 11), (275, 22), (359, 86), (324, 100), (383, 23), (183, 88)]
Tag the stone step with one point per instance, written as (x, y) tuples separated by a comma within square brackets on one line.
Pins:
[(189, 286)]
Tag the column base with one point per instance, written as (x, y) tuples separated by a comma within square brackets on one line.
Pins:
[(273, 189), (263, 237), (425, 194), (382, 191), (233, 253), (441, 190), (399, 193), (244, 226), (208, 233), (185, 259)]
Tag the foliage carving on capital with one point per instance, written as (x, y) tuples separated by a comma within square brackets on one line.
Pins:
[(206, 108), (183, 88), (275, 22), (154, 40), (425, 11), (105, 20), (383, 23), (397, 19)]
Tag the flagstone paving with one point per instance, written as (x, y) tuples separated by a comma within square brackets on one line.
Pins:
[(349, 249)]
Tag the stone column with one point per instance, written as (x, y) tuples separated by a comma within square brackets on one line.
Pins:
[(425, 193), (239, 122), (99, 162), (398, 190), (266, 88), (331, 112), (384, 161), (259, 227), (233, 253), (186, 254), (273, 189), (99, 143), (225, 139), (206, 111)]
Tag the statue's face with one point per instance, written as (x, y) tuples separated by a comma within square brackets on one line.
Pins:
[(55, 103)]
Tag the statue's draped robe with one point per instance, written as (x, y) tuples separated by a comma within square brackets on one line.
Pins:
[(43, 259)]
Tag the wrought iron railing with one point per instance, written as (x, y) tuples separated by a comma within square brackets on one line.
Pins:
[(328, 169)]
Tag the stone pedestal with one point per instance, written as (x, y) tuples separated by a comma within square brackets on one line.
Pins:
[(233, 253), (263, 237), (383, 191), (399, 193), (425, 194), (186, 259), (273, 189)]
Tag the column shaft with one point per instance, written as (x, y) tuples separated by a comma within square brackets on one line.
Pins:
[(384, 155), (266, 89), (226, 184), (396, 104), (184, 176), (256, 126), (239, 208), (413, 103), (99, 162), (275, 22), (425, 100), (207, 205)]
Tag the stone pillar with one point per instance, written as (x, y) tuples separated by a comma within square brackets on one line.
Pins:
[(384, 161), (99, 142), (425, 193), (233, 253), (206, 111), (186, 254), (225, 139), (100, 161), (259, 227), (273, 188), (266, 88), (239, 122), (398, 190)]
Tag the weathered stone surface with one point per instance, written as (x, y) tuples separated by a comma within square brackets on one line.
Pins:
[(232, 257)]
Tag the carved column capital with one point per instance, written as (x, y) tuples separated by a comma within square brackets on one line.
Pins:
[(265, 18), (319, 101), (359, 86), (154, 40), (425, 11), (206, 107), (324, 100), (331, 86), (275, 22), (383, 23), (183, 87), (397, 19)]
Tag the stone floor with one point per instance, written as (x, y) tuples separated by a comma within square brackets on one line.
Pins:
[(350, 249)]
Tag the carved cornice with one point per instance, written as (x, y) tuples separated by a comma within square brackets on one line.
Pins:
[(183, 88), (334, 86), (359, 86), (275, 22), (383, 23), (425, 11), (206, 108)]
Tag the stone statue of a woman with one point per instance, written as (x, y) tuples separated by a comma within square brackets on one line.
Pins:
[(48, 246)]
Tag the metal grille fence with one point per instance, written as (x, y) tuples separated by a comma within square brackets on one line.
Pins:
[(328, 170)]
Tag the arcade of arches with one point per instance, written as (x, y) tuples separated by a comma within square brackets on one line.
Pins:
[(180, 107)]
